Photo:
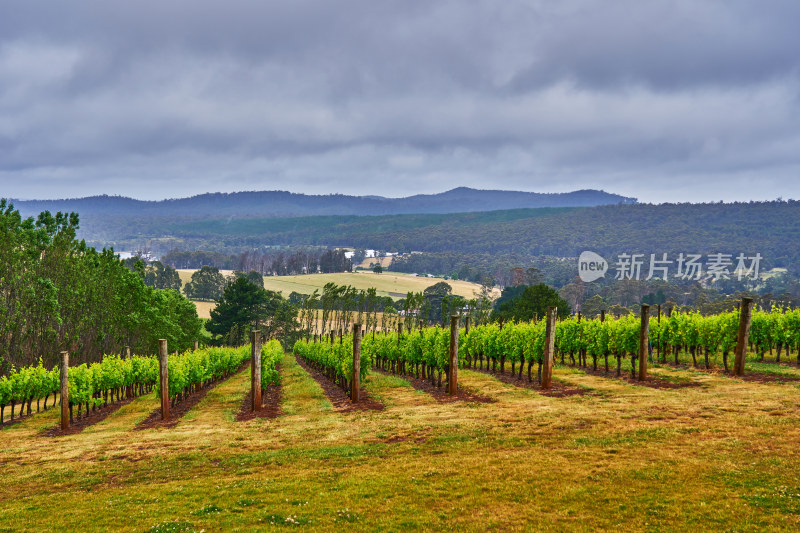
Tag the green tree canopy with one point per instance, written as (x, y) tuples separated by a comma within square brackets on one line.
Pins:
[(60, 294), (206, 284), (592, 306), (157, 275), (253, 277), (244, 306), (433, 296), (532, 299)]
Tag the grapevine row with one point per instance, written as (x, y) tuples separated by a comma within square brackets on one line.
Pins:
[(90, 386), (116, 378), (335, 360), (425, 352), (271, 354), (575, 337)]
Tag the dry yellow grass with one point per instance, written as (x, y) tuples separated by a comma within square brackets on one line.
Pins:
[(370, 262), (387, 283), (204, 308)]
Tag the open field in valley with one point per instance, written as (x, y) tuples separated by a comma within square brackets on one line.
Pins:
[(387, 284), (204, 308), (370, 262), (718, 455)]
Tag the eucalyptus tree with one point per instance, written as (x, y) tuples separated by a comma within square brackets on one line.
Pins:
[(57, 294)]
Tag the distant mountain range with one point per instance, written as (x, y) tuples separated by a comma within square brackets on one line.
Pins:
[(286, 204)]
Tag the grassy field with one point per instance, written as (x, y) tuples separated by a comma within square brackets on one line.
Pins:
[(204, 308), (370, 262), (387, 284), (721, 456)]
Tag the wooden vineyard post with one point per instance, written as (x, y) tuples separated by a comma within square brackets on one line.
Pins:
[(355, 390), (549, 346), (64, 391), (452, 378), (255, 370), (126, 354), (644, 342), (659, 350), (196, 345), (658, 342), (605, 352), (745, 314), (466, 332), (581, 362), (163, 367)]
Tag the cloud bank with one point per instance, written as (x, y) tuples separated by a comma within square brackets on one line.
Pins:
[(664, 100)]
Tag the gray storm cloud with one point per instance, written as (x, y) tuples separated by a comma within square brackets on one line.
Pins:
[(666, 101)]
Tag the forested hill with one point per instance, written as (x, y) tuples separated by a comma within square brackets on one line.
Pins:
[(769, 228), (286, 204)]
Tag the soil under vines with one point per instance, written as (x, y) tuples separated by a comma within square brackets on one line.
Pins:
[(79, 424), (270, 403), (336, 395)]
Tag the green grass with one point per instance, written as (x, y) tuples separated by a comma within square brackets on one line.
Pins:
[(718, 457)]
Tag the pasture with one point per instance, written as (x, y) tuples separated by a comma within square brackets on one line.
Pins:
[(395, 285)]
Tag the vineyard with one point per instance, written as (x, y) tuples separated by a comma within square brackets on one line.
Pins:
[(425, 353), (119, 378), (634, 449)]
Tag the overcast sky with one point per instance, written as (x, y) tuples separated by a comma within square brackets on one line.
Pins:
[(662, 100)]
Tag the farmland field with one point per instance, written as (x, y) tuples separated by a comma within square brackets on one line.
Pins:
[(387, 284), (719, 455), (204, 308), (368, 262)]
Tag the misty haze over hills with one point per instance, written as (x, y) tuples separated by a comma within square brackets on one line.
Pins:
[(286, 204)]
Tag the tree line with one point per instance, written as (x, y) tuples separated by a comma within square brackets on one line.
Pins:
[(60, 294), (154, 273), (280, 262), (337, 307)]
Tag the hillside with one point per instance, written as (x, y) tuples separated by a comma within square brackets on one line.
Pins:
[(769, 228), (502, 238), (282, 203)]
